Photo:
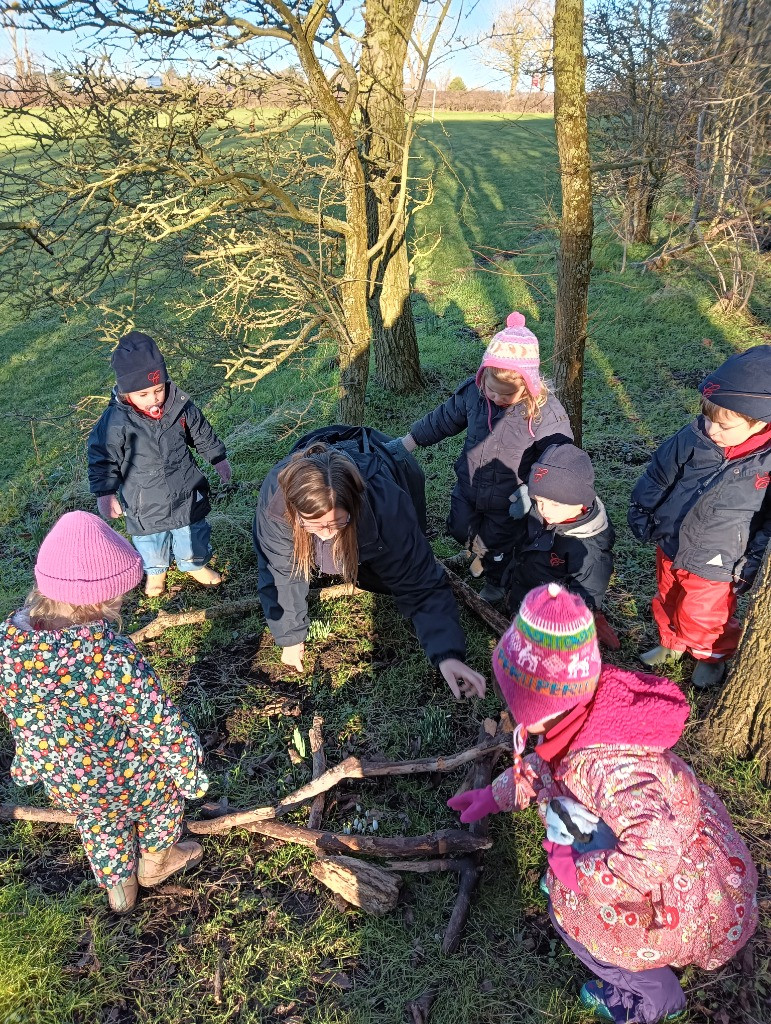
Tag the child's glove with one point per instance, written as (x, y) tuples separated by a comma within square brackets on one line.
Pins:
[(474, 804), (224, 470), (606, 634), (520, 502), (109, 507)]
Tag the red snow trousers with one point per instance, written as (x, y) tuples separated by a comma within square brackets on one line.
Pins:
[(694, 614)]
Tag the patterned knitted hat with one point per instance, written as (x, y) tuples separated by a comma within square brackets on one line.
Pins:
[(515, 348), (83, 561), (548, 660)]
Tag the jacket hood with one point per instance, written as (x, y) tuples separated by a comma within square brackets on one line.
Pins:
[(636, 709)]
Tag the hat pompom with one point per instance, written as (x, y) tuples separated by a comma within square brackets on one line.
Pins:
[(515, 319)]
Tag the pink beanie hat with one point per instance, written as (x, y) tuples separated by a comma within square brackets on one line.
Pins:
[(515, 348), (548, 660), (83, 561)]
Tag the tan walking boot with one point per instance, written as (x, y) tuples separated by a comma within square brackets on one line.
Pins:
[(123, 896), (155, 868), (155, 584), (206, 576)]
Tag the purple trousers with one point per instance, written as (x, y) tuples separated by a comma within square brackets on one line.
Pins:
[(633, 997)]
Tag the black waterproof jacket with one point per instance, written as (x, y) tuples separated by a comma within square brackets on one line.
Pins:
[(394, 558), (148, 463), (709, 514), (578, 555), (494, 462)]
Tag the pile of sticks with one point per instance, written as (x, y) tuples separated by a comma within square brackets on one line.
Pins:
[(372, 887)]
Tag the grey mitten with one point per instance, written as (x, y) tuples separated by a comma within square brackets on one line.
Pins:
[(520, 502)]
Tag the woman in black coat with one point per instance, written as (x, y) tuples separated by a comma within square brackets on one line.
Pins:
[(337, 510)]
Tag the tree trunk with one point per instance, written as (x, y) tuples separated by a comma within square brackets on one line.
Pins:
[(395, 343), (740, 722), (354, 348), (574, 266), (638, 209)]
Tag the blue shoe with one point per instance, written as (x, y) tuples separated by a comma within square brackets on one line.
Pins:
[(543, 886), (591, 997)]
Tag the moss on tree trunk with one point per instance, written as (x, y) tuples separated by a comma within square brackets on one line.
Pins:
[(575, 263)]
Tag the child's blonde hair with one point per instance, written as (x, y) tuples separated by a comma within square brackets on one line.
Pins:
[(45, 613), (533, 405)]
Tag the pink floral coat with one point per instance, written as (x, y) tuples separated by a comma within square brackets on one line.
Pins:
[(679, 887)]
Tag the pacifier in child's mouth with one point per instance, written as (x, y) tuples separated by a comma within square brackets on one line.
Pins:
[(155, 411)]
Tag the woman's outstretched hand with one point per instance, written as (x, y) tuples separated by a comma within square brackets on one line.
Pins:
[(461, 679)]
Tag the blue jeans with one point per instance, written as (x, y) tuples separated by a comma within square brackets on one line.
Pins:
[(192, 549)]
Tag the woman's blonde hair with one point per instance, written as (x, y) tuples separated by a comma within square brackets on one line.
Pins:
[(316, 481), (532, 405), (45, 613)]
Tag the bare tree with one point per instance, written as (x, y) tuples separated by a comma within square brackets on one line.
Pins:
[(521, 40), (294, 222), (575, 252)]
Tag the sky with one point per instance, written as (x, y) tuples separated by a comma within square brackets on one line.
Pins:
[(468, 20)]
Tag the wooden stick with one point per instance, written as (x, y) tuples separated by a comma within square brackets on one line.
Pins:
[(425, 866), (498, 623), (168, 620), (471, 871), (319, 767), (436, 844), (354, 768), (228, 609)]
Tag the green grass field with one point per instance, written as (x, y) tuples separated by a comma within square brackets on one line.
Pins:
[(252, 916)]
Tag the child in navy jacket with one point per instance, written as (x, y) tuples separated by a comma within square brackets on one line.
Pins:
[(140, 464), (704, 501), (569, 537), (510, 418)]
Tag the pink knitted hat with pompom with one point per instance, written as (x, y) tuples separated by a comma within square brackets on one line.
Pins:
[(83, 561), (548, 660), (514, 348)]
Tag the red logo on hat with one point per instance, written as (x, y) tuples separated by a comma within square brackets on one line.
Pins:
[(555, 559), (154, 377), (762, 480), (709, 389), (540, 473)]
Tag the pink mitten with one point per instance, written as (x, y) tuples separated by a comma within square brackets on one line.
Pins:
[(224, 470), (474, 804), (562, 863), (109, 506)]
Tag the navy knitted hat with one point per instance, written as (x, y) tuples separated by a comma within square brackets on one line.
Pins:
[(138, 363), (563, 473), (742, 384)]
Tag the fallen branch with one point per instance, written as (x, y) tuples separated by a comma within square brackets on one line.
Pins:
[(498, 623), (472, 870), (229, 609), (434, 844), (364, 885), (319, 767), (354, 768), (420, 1008)]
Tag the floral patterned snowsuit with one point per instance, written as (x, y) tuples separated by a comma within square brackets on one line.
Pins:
[(91, 722)]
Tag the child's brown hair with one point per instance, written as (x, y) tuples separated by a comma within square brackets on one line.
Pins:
[(714, 412), (316, 481)]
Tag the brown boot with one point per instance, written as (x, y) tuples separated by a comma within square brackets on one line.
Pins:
[(155, 868), (123, 896), (207, 576), (155, 584)]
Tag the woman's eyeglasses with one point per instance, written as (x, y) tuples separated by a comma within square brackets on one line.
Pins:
[(314, 526)]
